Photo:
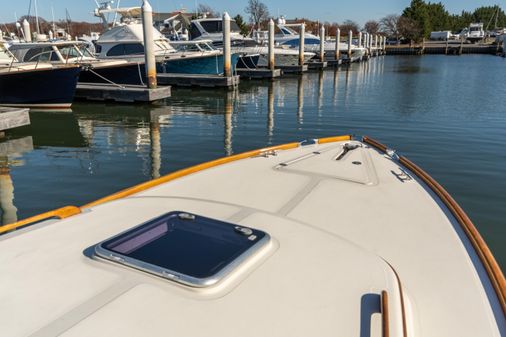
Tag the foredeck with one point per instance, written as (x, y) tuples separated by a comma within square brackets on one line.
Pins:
[(345, 232)]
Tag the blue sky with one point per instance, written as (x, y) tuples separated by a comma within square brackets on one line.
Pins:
[(325, 10)]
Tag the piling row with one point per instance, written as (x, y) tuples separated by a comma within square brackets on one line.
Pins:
[(157, 84)]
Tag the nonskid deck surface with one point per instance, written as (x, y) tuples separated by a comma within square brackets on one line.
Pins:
[(345, 229)]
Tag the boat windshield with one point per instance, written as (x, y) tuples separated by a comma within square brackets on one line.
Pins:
[(69, 51), (217, 26), (164, 45), (5, 56), (187, 47)]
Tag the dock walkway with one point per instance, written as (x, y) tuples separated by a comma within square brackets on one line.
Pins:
[(11, 118)]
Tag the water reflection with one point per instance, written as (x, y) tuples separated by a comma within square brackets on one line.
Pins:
[(321, 75), (9, 211), (229, 111), (11, 151), (300, 99), (270, 110), (335, 86)]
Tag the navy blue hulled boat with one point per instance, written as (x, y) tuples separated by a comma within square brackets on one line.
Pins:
[(38, 85), (75, 52)]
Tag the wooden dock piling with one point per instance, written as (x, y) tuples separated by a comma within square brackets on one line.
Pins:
[(227, 56), (322, 43), (338, 40), (272, 64), (149, 44), (302, 43), (350, 41)]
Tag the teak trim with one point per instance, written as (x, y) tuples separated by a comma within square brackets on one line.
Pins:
[(487, 258), (385, 319), (60, 213)]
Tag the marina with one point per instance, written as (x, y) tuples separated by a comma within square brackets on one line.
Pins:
[(305, 176)]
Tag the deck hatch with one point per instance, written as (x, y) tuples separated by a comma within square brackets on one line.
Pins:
[(184, 247)]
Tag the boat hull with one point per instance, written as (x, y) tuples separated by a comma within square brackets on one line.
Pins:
[(130, 73), (248, 61), (44, 88)]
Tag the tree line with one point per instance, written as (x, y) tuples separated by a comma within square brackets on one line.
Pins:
[(421, 18), (416, 21)]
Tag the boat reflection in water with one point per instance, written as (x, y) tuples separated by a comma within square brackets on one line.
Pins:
[(10, 152)]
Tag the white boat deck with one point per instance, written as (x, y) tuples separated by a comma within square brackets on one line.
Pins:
[(341, 232)]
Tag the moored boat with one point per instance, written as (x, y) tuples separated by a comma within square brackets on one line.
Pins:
[(36, 84), (316, 238), (126, 41), (253, 53), (76, 53), (289, 38)]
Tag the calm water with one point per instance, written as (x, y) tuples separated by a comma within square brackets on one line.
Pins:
[(448, 114)]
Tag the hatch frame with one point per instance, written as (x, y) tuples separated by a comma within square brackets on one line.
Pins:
[(256, 246)]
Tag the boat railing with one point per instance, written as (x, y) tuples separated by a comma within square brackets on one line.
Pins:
[(59, 214), (486, 257)]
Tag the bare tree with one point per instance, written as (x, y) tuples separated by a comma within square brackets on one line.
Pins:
[(372, 27), (409, 29), (257, 11), (389, 25), (349, 25), (207, 10)]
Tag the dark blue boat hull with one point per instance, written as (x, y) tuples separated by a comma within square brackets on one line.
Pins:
[(130, 73), (248, 62), (45, 88)]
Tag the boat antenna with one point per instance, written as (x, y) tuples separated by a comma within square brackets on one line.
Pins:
[(37, 27), (29, 11), (69, 20), (52, 16), (115, 14)]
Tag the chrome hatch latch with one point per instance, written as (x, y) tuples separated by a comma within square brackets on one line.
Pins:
[(392, 154), (403, 175)]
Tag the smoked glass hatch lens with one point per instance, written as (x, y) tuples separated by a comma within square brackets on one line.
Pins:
[(184, 247)]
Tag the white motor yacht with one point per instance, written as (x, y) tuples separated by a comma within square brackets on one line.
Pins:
[(125, 40), (329, 237), (289, 38), (254, 53)]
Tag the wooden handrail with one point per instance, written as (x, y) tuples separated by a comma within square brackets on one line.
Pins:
[(490, 264), (385, 319), (60, 213)]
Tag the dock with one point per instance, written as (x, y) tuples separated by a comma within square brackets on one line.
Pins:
[(120, 93), (198, 80), (453, 48), (316, 65), (293, 69), (334, 63), (11, 118), (259, 73)]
